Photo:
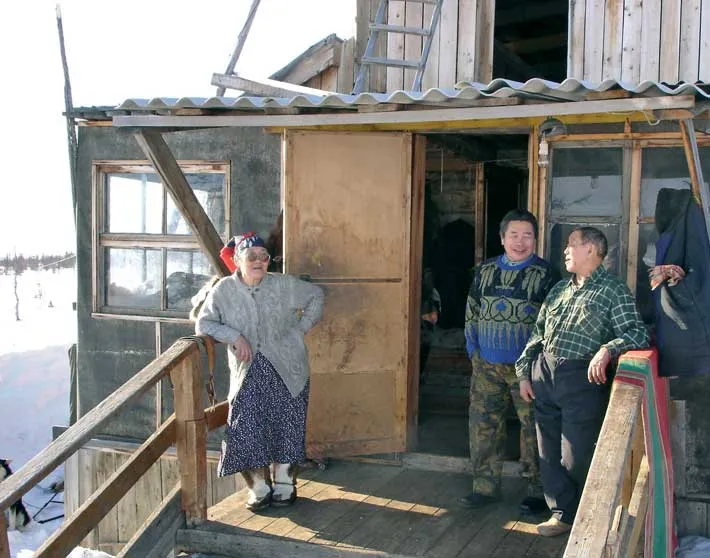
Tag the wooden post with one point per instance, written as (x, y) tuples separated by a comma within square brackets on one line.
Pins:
[(4, 543), (240, 43), (191, 437), (697, 182), (480, 212), (162, 160)]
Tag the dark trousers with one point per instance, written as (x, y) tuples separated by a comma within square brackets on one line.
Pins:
[(569, 412)]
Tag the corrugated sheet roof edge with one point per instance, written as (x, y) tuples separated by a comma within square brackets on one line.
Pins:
[(569, 90)]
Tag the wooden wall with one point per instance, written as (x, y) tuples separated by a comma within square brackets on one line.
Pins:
[(87, 469), (462, 48), (638, 40)]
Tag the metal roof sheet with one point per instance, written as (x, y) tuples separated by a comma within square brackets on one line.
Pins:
[(464, 93)]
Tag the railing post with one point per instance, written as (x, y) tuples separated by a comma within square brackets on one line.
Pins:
[(191, 436), (4, 543)]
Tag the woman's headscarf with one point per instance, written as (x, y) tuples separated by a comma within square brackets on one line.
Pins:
[(237, 246)]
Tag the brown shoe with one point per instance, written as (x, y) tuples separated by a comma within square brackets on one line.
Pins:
[(553, 527)]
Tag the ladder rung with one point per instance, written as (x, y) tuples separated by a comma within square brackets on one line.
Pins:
[(390, 62), (399, 29)]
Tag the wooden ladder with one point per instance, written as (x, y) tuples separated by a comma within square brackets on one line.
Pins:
[(379, 25)]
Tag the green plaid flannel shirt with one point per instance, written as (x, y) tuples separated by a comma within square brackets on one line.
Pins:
[(575, 322)]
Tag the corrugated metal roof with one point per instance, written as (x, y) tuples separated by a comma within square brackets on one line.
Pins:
[(464, 94)]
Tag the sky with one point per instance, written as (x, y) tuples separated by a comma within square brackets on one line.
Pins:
[(115, 51)]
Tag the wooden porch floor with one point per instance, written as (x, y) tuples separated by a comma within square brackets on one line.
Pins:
[(364, 509)]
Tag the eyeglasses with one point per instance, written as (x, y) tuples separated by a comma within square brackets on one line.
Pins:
[(260, 256)]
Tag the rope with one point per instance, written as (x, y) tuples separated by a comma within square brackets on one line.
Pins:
[(206, 345)]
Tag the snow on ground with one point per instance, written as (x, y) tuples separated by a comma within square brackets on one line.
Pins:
[(34, 388)]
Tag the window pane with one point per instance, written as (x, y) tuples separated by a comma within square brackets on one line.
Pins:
[(188, 271), (134, 203), (664, 167), (558, 242), (586, 182), (133, 277), (209, 190), (646, 260)]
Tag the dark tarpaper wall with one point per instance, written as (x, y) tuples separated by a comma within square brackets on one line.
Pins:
[(110, 351)]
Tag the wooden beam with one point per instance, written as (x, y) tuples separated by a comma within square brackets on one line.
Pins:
[(415, 286), (310, 66), (37, 468), (264, 87), (191, 438), (480, 213), (634, 210), (226, 540), (623, 541), (602, 489), (156, 537), (4, 543), (697, 182), (241, 39), (591, 111), (536, 44), (103, 500), (162, 160)]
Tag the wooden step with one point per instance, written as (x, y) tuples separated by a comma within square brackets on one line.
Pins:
[(212, 538)]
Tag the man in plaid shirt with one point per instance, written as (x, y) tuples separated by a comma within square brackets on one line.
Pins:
[(584, 324)]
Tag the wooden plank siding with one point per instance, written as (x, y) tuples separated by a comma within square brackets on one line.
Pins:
[(431, 70), (448, 27), (395, 44), (413, 17), (466, 47), (656, 40)]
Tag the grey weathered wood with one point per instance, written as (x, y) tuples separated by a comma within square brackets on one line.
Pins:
[(416, 116), (264, 87), (678, 446), (697, 181), (632, 528), (450, 464), (156, 537), (57, 452), (670, 41), (575, 44), (313, 65), (241, 39), (400, 29), (233, 541), (390, 62), (650, 40), (164, 163), (602, 489), (4, 543), (98, 505)]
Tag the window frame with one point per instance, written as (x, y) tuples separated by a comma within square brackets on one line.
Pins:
[(102, 240)]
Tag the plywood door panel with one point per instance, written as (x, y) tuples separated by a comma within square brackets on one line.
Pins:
[(347, 226)]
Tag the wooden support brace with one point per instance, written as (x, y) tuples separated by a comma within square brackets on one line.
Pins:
[(160, 156), (4, 543), (191, 434), (697, 183)]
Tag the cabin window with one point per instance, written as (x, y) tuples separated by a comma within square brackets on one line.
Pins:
[(586, 189), (146, 259)]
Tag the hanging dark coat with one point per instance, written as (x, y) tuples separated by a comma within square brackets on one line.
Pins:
[(683, 310)]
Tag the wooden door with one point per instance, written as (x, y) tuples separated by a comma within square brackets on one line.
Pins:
[(347, 211)]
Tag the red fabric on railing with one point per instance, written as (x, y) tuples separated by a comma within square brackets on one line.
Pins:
[(640, 368)]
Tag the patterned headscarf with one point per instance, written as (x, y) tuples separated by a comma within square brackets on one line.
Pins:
[(243, 242)]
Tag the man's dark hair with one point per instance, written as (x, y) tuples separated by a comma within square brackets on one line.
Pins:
[(592, 235), (518, 215)]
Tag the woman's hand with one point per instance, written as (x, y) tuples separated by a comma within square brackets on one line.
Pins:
[(242, 349)]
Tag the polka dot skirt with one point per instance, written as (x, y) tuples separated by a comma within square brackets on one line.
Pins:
[(266, 424)]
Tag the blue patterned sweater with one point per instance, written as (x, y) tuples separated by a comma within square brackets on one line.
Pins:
[(503, 303)]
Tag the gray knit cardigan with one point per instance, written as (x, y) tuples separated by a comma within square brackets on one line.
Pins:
[(272, 316)]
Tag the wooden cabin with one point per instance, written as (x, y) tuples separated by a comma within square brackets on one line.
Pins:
[(368, 184)]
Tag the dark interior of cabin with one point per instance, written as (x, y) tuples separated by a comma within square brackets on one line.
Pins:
[(471, 182), (530, 39)]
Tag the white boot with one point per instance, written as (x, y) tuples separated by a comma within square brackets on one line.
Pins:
[(259, 485), (284, 484)]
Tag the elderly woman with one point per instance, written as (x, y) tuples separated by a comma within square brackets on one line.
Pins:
[(263, 318)]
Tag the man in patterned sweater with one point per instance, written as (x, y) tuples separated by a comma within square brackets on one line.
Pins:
[(503, 302), (585, 323)]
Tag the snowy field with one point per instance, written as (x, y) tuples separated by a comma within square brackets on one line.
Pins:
[(34, 387)]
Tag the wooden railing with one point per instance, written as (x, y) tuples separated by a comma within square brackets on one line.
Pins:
[(613, 507), (187, 428)]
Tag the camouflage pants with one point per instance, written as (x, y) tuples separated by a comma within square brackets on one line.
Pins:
[(492, 388)]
